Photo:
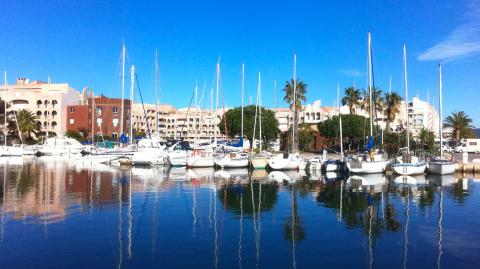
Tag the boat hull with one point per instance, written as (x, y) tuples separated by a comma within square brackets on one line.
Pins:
[(226, 162), (441, 168), (200, 161), (408, 169), (365, 167), (259, 162), (283, 164)]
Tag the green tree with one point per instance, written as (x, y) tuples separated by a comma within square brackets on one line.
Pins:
[(353, 128), (460, 123), (74, 134), (26, 124), (352, 99), (233, 119), (427, 139), (392, 107), (306, 136), (295, 102)]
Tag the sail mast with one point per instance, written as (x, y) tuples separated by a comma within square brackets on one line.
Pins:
[(156, 92), (123, 90), (340, 121), (243, 92), (407, 138), (132, 78), (370, 82), (5, 108), (216, 102), (260, 108), (440, 85), (294, 101)]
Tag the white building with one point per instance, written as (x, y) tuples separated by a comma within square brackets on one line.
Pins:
[(48, 101)]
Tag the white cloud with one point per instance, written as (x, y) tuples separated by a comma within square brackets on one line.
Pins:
[(351, 72), (463, 42)]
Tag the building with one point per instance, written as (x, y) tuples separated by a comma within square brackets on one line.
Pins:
[(421, 115), (106, 119), (48, 101)]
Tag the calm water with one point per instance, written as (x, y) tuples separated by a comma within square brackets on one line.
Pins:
[(59, 215)]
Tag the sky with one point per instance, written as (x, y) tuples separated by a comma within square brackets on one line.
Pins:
[(79, 42)]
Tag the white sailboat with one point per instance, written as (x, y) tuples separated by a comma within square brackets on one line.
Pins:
[(441, 166), (259, 161), (288, 161), (408, 164), (235, 159), (200, 158), (337, 165), (55, 146), (375, 162), (150, 151)]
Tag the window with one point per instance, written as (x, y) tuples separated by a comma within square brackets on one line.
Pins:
[(115, 109), (72, 121), (473, 143), (72, 109), (99, 111)]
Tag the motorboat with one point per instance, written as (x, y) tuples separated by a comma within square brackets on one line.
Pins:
[(233, 160), (150, 151), (284, 161), (60, 146), (200, 158)]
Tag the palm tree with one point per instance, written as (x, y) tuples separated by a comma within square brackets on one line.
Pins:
[(352, 98), (392, 104), (27, 126), (377, 98), (460, 123), (300, 92)]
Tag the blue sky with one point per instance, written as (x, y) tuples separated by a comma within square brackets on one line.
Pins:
[(79, 42)]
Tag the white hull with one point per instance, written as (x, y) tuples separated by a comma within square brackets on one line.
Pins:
[(441, 168), (148, 157), (200, 161), (280, 163), (227, 162), (408, 169), (11, 151), (96, 159), (178, 158), (365, 167), (49, 151)]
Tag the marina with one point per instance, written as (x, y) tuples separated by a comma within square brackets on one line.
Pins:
[(131, 217)]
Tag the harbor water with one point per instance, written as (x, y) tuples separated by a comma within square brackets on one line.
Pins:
[(58, 214)]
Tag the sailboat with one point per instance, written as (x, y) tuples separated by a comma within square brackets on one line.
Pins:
[(440, 166), (408, 164), (375, 162), (259, 161), (235, 159), (337, 165), (288, 161)]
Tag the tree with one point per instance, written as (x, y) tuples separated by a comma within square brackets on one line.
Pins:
[(427, 139), (233, 118), (460, 123), (352, 99), (376, 98), (392, 107), (295, 102), (306, 136), (26, 124), (75, 135), (353, 128)]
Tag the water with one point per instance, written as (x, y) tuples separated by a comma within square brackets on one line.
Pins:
[(58, 215)]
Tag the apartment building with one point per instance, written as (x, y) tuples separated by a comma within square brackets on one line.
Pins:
[(105, 121), (47, 101)]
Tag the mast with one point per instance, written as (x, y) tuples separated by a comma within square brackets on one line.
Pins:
[(156, 92), (294, 101), (5, 108), (407, 138), (132, 78), (370, 82), (93, 116), (123, 90), (243, 92), (260, 108), (340, 121), (216, 103), (440, 85), (275, 93)]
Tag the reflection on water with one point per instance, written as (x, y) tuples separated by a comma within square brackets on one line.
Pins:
[(60, 214)]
